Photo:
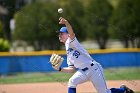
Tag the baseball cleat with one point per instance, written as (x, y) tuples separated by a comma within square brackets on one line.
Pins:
[(127, 90)]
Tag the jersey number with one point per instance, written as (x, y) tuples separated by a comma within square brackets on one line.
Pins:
[(76, 54)]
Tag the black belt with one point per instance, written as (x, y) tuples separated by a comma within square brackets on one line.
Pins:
[(86, 68)]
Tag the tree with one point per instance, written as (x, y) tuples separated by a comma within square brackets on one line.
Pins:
[(98, 13), (36, 24), (4, 45), (136, 7), (1, 32), (125, 21), (9, 5)]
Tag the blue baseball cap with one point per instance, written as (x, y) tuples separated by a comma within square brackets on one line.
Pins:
[(63, 30)]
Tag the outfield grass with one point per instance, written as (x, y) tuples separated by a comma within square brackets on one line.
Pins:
[(110, 74), (122, 74)]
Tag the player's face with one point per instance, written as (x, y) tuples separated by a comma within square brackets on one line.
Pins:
[(63, 37)]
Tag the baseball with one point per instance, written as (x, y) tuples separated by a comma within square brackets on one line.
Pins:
[(60, 10)]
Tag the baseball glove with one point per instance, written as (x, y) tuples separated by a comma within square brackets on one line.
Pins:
[(56, 61)]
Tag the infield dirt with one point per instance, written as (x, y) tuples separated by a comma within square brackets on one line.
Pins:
[(56, 87)]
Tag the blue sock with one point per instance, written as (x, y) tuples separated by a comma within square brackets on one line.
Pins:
[(117, 90), (71, 90)]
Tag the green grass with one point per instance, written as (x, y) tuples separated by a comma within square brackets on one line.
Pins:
[(122, 74), (110, 74), (35, 77)]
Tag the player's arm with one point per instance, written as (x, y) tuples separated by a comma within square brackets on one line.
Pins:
[(70, 69), (69, 28)]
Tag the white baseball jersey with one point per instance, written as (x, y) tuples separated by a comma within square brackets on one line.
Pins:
[(77, 56)]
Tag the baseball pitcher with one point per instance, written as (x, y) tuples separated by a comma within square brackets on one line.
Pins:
[(79, 58)]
